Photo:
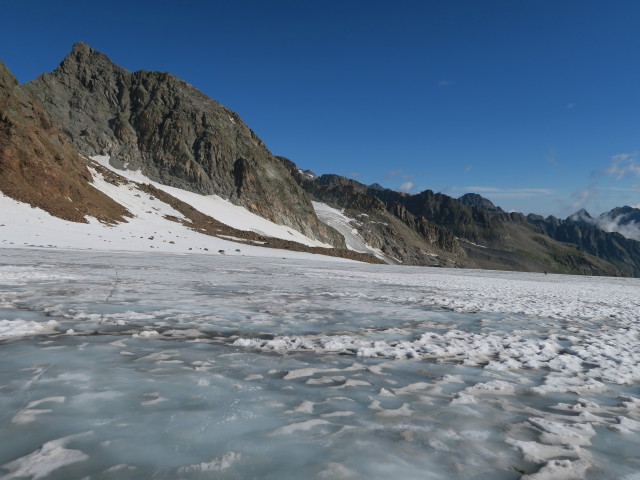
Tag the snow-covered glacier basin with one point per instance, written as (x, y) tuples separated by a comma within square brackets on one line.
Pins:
[(118, 365)]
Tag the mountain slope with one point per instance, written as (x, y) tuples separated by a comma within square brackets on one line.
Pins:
[(174, 133), (385, 227), (159, 221), (613, 247), (434, 229), (40, 166), (165, 130)]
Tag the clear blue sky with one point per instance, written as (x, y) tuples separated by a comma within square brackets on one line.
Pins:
[(533, 104)]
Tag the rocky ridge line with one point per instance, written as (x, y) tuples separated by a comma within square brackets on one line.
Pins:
[(175, 134)]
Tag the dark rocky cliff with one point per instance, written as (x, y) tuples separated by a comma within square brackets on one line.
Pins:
[(177, 135)]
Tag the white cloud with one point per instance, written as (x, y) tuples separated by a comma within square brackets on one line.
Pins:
[(580, 198), (630, 230), (468, 168), (623, 165), (445, 83), (405, 187)]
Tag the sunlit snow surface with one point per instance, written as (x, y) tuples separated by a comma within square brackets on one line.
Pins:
[(169, 366)]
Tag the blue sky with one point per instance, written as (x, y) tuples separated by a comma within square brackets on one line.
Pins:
[(533, 104)]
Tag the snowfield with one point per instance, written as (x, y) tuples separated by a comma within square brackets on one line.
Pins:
[(149, 230), (345, 225), (140, 365)]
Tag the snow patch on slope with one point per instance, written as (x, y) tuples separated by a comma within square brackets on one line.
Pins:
[(24, 226), (220, 209), (343, 224)]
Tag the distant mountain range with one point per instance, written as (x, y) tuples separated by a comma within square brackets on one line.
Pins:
[(177, 136)]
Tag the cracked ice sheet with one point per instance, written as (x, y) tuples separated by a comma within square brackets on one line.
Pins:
[(175, 366)]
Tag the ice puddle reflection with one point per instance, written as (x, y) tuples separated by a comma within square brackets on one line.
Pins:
[(140, 366)]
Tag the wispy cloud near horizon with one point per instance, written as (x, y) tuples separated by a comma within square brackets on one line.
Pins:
[(613, 224), (392, 173), (621, 166), (405, 187), (624, 165)]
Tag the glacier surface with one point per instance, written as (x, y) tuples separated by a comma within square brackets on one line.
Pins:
[(140, 365)]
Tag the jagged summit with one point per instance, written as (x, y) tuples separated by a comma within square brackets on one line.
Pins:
[(174, 133), (580, 216), (630, 213), (478, 201), (81, 50)]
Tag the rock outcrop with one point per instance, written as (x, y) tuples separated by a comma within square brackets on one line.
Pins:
[(478, 201), (174, 133), (40, 166)]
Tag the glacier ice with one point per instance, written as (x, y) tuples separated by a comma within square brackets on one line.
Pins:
[(122, 365)]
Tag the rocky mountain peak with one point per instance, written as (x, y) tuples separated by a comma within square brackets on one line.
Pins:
[(620, 211), (80, 51), (84, 62), (174, 134), (580, 216), (478, 201)]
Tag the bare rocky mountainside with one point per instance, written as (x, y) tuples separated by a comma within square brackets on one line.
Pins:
[(174, 133), (434, 229), (179, 137)]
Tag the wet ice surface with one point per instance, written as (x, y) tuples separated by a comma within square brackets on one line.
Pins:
[(154, 365)]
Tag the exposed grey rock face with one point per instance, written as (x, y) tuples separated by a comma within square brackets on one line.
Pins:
[(475, 200), (176, 134), (400, 235)]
